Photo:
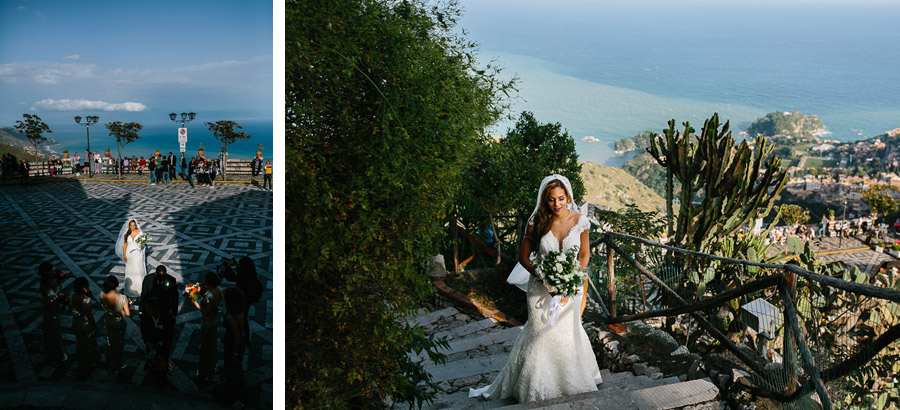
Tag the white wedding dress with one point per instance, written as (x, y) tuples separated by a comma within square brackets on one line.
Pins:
[(135, 267), (548, 361)]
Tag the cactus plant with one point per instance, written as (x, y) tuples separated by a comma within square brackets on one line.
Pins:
[(723, 186)]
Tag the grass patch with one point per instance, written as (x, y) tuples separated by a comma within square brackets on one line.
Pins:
[(820, 163)]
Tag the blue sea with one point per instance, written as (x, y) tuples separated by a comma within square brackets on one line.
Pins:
[(613, 69), (163, 137)]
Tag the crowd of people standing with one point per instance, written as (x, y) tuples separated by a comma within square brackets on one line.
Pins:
[(862, 226), (161, 169), (159, 303)]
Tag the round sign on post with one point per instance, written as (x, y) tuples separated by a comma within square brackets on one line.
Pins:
[(182, 135)]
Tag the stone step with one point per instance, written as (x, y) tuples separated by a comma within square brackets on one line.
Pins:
[(494, 337), (459, 400), (626, 381), (468, 328), (675, 395), (610, 399), (429, 318), (655, 398), (466, 368)]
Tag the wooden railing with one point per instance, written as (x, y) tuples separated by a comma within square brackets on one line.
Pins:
[(800, 376)]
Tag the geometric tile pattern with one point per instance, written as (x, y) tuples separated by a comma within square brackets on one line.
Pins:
[(73, 225)]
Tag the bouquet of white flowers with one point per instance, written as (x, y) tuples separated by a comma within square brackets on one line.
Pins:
[(142, 239), (561, 275)]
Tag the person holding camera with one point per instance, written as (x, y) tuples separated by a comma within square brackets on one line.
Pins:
[(52, 304)]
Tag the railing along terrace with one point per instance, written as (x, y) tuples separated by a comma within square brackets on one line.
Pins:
[(802, 334), (236, 166)]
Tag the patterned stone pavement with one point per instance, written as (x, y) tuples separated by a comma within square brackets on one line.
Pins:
[(852, 251), (73, 225)]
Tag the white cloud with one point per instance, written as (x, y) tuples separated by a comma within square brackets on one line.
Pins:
[(45, 73), (228, 73), (81, 104), (20, 8)]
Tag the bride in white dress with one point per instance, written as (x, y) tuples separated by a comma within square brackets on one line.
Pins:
[(133, 254), (549, 361)]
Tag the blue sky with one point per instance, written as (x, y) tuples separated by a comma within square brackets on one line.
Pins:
[(135, 61)]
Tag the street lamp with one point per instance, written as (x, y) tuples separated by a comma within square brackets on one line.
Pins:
[(185, 117), (88, 121)]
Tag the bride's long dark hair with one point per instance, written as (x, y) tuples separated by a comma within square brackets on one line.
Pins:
[(128, 231), (543, 219)]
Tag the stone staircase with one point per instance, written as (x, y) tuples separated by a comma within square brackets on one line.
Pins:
[(479, 349)]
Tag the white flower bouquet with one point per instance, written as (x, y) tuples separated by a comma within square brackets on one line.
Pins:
[(561, 273), (142, 239)]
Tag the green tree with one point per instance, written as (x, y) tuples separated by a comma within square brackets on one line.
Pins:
[(34, 130), (879, 199), (505, 173), (124, 134), (793, 214), (384, 107), (225, 133)]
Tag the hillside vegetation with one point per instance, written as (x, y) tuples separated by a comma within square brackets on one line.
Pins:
[(639, 141), (613, 187), (16, 152), (799, 126), (12, 141)]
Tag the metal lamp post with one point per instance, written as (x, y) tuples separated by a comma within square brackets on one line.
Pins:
[(843, 222), (88, 121), (185, 117)]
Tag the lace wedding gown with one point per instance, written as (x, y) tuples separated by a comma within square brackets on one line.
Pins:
[(548, 361), (135, 268)]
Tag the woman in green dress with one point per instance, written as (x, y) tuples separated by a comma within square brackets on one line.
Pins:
[(86, 351), (115, 305), (209, 304), (50, 305)]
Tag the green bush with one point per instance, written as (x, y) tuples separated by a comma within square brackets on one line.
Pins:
[(384, 106)]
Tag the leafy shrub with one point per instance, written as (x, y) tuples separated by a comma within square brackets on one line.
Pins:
[(384, 106)]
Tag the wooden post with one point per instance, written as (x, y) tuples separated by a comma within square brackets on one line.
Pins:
[(789, 353), (611, 278), (454, 238)]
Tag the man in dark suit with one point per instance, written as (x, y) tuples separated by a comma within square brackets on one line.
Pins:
[(173, 163), (183, 166), (164, 286), (159, 292)]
